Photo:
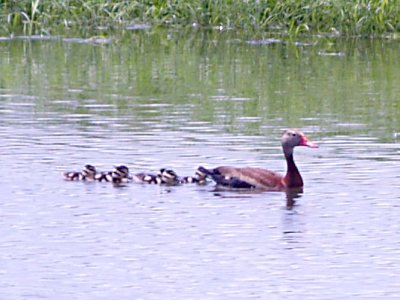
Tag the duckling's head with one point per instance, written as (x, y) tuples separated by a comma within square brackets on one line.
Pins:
[(89, 171), (121, 171), (168, 176)]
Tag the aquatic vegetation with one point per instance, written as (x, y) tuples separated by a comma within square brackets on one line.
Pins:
[(357, 17)]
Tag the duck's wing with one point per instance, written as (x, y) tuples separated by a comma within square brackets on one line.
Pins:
[(245, 177)]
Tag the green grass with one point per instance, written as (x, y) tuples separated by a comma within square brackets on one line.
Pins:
[(357, 17)]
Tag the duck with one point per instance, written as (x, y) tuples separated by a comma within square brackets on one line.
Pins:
[(147, 178), (259, 178), (88, 173), (119, 175), (104, 176), (164, 176), (169, 177), (199, 178), (121, 172)]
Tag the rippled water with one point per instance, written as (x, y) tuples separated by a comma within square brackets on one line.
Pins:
[(73, 240)]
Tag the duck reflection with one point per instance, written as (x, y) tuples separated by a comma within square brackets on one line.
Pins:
[(291, 196)]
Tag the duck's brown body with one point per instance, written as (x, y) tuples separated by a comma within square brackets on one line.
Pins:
[(257, 177), (249, 177)]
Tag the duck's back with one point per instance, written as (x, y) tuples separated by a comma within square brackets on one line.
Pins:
[(258, 177)]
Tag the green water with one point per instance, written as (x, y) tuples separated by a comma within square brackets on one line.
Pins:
[(224, 77)]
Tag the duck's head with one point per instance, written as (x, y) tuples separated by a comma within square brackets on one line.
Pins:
[(168, 176), (121, 171), (200, 175), (89, 171), (292, 138)]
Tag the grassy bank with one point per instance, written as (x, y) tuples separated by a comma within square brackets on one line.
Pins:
[(357, 17)]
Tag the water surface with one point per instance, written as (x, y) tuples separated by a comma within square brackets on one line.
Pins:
[(152, 99)]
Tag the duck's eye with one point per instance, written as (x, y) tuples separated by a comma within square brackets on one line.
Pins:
[(294, 134)]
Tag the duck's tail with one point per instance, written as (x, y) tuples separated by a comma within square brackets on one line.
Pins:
[(226, 181)]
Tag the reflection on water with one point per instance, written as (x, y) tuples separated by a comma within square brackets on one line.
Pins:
[(150, 102), (291, 196)]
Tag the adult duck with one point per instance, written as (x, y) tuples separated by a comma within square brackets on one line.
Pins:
[(261, 178)]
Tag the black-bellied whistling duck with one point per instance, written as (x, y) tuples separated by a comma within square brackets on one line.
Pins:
[(121, 172), (261, 178), (87, 174), (147, 178), (169, 177), (165, 176), (119, 175), (199, 178)]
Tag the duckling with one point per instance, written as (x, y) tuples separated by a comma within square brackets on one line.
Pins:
[(119, 175), (169, 177), (89, 173), (147, 178), (73, 176), (164, 176), (104, 176), (199, 178)]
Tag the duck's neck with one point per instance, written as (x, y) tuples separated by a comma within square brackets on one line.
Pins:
[(292, 178)]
